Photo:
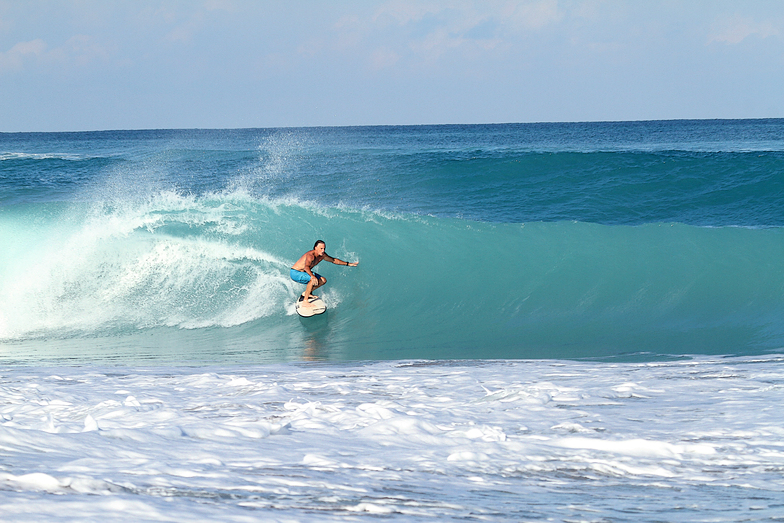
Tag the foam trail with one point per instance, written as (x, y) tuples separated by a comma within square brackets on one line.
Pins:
[(535, 440)]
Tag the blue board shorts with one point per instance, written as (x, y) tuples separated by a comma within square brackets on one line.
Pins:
[(302, 276)]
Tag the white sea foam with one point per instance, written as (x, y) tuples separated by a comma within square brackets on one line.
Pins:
[(42, 156), (416, 441), (118, 266)]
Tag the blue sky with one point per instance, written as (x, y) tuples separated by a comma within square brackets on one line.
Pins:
[(99, 64)]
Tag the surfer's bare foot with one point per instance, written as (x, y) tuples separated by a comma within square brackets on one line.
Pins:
[(307, 302)]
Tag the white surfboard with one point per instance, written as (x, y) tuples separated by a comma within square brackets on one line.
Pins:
[(317, 307)]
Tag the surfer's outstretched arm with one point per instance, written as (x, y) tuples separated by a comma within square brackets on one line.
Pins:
[(338, 261)]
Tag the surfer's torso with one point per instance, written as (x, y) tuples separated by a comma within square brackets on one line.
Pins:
[(308, 260)]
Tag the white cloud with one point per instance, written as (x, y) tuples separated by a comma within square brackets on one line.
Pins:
[(195, 19), (425, 31), (530, 15), (383, 58), (15, 58), (184, 32), (83, 49), (404, 12), (735, 29), (78, 51), (220, 5), (457, 16)]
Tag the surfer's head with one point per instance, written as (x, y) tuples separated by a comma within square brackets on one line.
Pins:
[(323, 246)]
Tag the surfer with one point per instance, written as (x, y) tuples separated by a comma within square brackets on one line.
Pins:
[(302, 271)]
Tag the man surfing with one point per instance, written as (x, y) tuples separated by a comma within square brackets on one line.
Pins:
[(302, 271)]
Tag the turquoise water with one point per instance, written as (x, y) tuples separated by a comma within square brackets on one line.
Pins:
[(562, 322), (641, 240)]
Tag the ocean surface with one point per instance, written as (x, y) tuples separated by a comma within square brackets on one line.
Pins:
[(548, 322)]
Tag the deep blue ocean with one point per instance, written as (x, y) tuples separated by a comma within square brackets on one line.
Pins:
[(623, 241)]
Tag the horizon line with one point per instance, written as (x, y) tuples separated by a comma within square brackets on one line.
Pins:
[(560, 122)]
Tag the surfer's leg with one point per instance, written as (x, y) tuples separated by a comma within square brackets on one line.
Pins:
[(320, 280), (306, 295)]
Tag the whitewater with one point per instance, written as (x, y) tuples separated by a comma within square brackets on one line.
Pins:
[(561, 322), (693, 440)]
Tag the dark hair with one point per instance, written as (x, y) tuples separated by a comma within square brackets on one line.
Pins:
[(317, 242)]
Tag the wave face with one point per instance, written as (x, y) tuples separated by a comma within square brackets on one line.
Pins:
[(634, 240)]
